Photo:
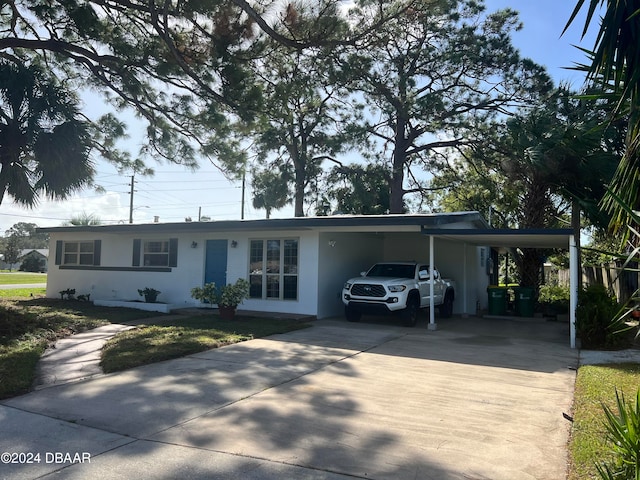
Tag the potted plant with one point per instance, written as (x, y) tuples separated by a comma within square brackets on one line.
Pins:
[(150, 294), (227, 298)]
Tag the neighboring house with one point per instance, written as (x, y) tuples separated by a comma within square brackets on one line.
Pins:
[(295, 265), (40, 254)]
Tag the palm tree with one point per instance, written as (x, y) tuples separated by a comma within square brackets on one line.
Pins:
[(84, 219), (44, 146), (615, 64)]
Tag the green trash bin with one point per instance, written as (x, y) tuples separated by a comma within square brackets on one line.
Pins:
[(497, 300), (525, 301)]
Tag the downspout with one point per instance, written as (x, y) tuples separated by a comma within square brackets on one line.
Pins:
[(432, 307)]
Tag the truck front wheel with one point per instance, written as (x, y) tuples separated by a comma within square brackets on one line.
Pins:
[(410, 313), (352, 314)]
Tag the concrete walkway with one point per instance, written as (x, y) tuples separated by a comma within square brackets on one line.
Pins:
[(78, 357), (75, 358), (473, 400)]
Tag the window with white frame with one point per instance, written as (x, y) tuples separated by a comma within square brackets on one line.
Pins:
[(273, 270), (78, 253), (155, 252)]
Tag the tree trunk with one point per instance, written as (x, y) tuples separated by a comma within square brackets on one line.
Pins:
[(299, 166), (531, 268), (397, 175), (397, 192), (535, 208)]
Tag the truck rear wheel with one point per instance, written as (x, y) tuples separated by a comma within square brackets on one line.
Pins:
[(446, 309)]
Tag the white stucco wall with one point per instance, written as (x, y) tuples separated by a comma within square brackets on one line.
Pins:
[(175, 286), (344, 255), (307, 267), (450, 259), (326, 260), (117, 251), (464, 263)]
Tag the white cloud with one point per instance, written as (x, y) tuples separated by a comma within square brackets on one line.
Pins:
[(108, 207)]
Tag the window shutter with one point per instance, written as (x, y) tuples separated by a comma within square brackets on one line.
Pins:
[(97, 244), (58, 252), (173, 252), (136, 252)]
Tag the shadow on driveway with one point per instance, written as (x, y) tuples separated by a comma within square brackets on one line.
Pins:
[(337, 400)]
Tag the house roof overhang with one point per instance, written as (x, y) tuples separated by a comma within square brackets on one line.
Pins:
[(407, 222)]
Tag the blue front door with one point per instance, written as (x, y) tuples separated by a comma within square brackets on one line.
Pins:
[(215, 269)]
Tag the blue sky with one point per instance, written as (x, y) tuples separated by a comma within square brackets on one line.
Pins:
[(541, 40), (174, 193)]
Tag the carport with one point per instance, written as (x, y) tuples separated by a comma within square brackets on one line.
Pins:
[(513, 238)]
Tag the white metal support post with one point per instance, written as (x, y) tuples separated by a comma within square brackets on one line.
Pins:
[(573, 288), (432, 313)]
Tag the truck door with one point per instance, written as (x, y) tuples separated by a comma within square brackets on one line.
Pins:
[(423, 284), (425, 287)]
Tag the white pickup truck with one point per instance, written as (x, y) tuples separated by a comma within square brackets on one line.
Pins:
[(402, 287)]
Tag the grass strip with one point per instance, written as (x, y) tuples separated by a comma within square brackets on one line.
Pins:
[(22, 278), (595, 385), (23, 293), (177, 338)]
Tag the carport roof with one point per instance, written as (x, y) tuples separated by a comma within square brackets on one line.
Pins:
[(521, 238)]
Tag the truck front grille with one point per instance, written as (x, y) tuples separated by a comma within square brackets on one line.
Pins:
[(368, 290)]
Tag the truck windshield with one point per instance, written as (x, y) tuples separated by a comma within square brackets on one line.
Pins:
[(392, 270)]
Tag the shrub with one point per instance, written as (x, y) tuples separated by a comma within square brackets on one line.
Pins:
[(598, 323), (623, 432), (230, 295), (555, 298)]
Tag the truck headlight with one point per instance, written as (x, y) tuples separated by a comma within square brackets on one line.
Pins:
[(397, 288), (347, 286)]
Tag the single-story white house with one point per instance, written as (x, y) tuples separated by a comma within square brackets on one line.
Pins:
[(295, 265)]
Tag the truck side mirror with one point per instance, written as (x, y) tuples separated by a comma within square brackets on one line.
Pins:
[(423, 275)]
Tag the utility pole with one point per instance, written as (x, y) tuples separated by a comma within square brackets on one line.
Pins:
[(242, 202), (131, 198)]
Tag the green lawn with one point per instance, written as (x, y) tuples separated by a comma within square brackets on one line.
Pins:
[(595, 385), (177, 338), (29, 323), (22, 293), (22, 278)]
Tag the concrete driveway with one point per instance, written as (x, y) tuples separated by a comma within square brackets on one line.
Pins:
[(476, 399)]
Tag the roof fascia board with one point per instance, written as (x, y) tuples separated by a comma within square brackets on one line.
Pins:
[(298, 223)]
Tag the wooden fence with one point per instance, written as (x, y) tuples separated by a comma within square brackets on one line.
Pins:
[(623, 283)]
